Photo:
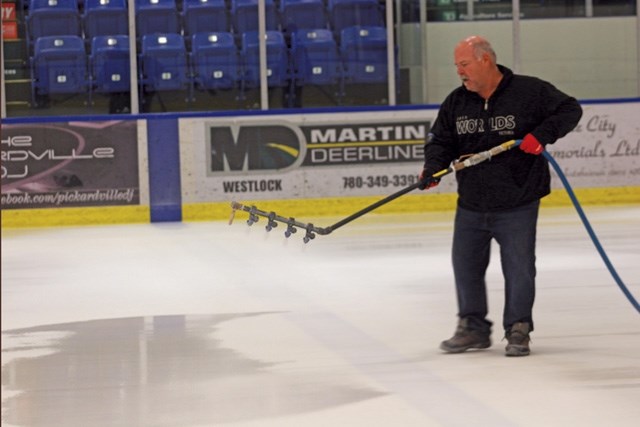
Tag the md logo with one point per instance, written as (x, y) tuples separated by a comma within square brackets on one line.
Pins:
[(253, 148)]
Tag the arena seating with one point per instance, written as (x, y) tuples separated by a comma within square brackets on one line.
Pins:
[(364, 54), (157, 17), (109, 64), (315, 58), (163, 63), (53, 18), (244, 15), (200, 16), (59, 66), (353, 13), (201, 45), (215, 61), (104, 18), (301, 15), (277, 59)]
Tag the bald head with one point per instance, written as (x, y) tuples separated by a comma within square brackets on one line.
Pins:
[(475, 62), (479, 46)]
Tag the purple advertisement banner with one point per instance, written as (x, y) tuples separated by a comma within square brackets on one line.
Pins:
[(73, 164)]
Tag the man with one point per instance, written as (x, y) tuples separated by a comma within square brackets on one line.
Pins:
[(497, 199)]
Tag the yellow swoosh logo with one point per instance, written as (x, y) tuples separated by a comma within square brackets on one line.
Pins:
[(287, 149)]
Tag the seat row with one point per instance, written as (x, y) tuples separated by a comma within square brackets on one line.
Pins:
[(214, 62), (110, 17)]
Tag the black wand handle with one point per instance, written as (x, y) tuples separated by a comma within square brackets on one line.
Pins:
[(369, 208)]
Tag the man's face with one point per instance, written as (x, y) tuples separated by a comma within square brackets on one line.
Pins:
[(471, 70)]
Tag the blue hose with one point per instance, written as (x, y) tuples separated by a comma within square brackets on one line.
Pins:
[(592, 234)]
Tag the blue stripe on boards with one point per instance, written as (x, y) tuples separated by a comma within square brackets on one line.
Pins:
[(165, 196)]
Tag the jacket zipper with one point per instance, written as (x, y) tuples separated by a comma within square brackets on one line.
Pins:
[(481, 177)]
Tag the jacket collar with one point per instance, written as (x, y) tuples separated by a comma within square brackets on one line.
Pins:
[(507, 75)]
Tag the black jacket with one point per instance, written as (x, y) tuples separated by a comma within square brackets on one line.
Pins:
[(467, 125)]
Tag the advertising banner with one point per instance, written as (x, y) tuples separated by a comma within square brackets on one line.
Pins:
[(8, 12), (372, 153), (73, 164), (299, 156), (10, 30), (603, 150), (9, 24)]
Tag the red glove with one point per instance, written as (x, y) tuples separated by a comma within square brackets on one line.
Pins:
[(427, 181), (531, 145)]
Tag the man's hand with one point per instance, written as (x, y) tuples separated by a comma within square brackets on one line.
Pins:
[(427, 181), (531, 145)]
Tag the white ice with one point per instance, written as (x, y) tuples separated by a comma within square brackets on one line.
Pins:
[(200, 324)]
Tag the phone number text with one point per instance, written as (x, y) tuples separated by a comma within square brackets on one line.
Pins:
[(379, 181)]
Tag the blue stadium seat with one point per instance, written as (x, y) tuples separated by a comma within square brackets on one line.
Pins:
[(53, 18), (364, 54), (315, 58), (215, 60), (200, 16), (59, 66), (109, 64), (163, 63), (277, 59), (302, 14), (156, 17), (244, 15), (350, 13), (105, 18)]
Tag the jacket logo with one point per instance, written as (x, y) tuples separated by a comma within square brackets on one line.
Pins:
[(466, 126)]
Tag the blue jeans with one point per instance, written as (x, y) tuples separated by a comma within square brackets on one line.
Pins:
[(515, 232)]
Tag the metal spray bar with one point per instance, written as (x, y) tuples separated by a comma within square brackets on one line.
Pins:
[(311, 230)]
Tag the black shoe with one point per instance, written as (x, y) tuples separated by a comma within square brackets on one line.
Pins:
[(465, 339), (518, 337)]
